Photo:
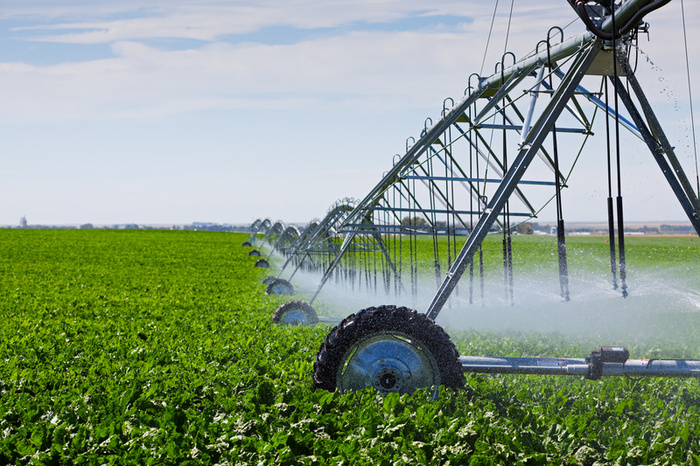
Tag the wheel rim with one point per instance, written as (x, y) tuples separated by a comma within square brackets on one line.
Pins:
[(280, 288), (294, 317), (389, 362)]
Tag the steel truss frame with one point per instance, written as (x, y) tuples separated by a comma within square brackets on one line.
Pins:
[(318, 241), (432, 181), (379, 213)]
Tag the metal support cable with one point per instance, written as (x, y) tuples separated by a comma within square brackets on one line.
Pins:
[(690, 98), (510, 18), (488, 39)]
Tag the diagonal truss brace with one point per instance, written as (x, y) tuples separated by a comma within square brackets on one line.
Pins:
[(660, 147)]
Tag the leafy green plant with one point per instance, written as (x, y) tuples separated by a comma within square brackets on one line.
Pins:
[(157, 347)]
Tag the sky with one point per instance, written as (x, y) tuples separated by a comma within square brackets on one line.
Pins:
[(174, 111)]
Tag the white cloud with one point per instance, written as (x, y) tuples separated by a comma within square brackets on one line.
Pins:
[(362, 65), (357, 68), (211, 20), (410, 69)]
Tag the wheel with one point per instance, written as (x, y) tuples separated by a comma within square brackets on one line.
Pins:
[(267, 280), (262, 263), (295, 313), (393, 349), (246, 244), (254, 252), (280, 286)]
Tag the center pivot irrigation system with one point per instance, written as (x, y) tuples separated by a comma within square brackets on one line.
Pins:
[(492, 161)]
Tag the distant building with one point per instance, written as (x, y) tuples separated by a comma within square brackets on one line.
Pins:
[(23, 222)]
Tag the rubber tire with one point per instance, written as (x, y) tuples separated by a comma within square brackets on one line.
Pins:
[(254, 252), (246, 244), (269, 279), (310, 317), (334, 351), (280, 287), (262, 263)]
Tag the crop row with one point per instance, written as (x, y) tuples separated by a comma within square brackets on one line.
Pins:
[(152, 347)]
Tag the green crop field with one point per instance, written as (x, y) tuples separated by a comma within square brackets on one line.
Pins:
[(156, 347)]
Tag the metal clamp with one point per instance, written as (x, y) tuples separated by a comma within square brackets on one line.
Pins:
[(605, 354)]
